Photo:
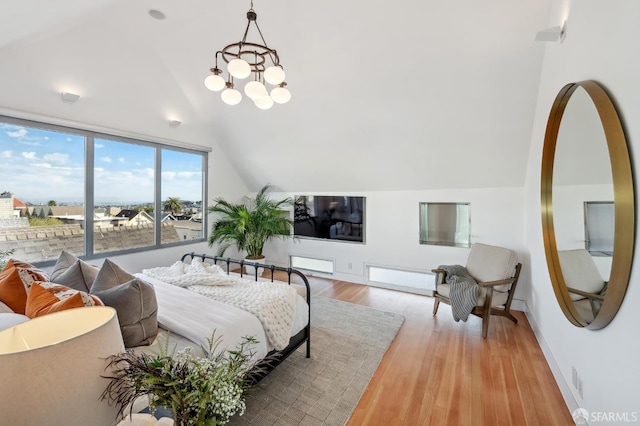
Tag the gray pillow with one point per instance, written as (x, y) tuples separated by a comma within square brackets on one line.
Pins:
[(64, 262), (137, 308), (110, 275), (134, 300), (79, 276)]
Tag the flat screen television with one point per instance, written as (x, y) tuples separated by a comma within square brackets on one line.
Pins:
[(337, 218)]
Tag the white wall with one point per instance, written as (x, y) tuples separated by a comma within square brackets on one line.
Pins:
[(601, 44), (392, 232)]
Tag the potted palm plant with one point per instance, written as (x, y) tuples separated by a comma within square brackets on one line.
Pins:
[(250, 224)]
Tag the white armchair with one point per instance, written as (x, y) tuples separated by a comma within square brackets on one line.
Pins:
[(496, 270), (585, 284)]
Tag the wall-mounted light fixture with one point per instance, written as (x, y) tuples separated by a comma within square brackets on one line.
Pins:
[(553, 33), (175, 123), (69, 98)]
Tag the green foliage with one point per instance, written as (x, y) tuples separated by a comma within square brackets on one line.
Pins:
[(198, 391), (44, 221), (3, 255), (249, 225), (146, 209), (52, 203), (173, 205)]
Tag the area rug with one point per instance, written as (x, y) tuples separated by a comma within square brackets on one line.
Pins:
[(347, 343)]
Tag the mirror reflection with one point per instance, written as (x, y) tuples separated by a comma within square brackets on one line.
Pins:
[(582, 190)]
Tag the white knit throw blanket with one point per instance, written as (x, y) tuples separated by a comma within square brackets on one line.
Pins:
[(273, 303)]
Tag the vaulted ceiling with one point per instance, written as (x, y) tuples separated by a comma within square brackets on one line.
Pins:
[(401, 95)]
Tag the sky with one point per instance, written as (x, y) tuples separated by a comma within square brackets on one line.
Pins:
[(40, 165)]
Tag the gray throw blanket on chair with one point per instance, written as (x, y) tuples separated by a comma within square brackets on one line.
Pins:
[(464, 291)]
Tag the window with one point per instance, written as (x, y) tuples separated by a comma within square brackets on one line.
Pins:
[(447, 224), (599, 227), (91, 194), (123, 187), (312, 264), (42, 189), (182, 192)]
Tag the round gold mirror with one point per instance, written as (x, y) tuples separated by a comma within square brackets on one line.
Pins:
[(588, 207)]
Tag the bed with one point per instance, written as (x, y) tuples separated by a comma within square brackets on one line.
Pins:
[(187, 313)]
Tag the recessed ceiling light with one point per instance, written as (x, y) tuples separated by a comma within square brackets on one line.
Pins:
[(156, 14)]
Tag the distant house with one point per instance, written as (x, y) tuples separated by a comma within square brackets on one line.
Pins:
[(10, 206), (68, 212), (19, 208), (166, 217), (133, 217), (188, 229)]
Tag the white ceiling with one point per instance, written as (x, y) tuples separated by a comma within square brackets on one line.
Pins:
[(401, 95)]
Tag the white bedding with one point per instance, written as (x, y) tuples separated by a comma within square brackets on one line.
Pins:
[(274, 303), (194, 316)]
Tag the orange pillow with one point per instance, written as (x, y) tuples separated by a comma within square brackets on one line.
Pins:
[(45, 298), (15, 280), (15, 262)]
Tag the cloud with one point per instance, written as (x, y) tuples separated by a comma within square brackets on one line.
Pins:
[(149, 172), (189, 175), (31, 156), (6, 154), (98, 145), (121, 160), (169, 175), (106, 159), (42, 166), (56, 157), (18, 134), (21, 134)]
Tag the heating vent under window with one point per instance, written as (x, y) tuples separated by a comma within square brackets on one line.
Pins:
[(312, 264), (413, 281)]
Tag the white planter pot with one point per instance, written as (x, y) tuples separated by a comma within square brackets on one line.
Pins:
[(251, 270)]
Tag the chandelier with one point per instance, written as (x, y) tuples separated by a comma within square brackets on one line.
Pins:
[(243, 60)]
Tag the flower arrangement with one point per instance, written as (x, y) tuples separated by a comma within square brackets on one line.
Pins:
[(199, 391)]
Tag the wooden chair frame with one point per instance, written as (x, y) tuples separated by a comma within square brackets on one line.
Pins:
[(484, 311)]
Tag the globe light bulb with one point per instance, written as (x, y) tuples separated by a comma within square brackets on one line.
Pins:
[(239, 68), (254, 89), (280, 95), (231, 96), (215, 83), (264, 102), (274, 75)]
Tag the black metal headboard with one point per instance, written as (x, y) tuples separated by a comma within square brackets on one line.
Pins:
[(272, 268)]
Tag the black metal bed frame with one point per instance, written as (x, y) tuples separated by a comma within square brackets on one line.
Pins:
[(274, 357)]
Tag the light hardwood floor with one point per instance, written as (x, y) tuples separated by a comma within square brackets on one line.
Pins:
[(439, 372)]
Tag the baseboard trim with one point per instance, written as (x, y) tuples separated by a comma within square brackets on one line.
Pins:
[(565, 390)]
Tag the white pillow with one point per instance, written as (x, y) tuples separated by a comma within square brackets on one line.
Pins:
[(5, 309), (8, 320)]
